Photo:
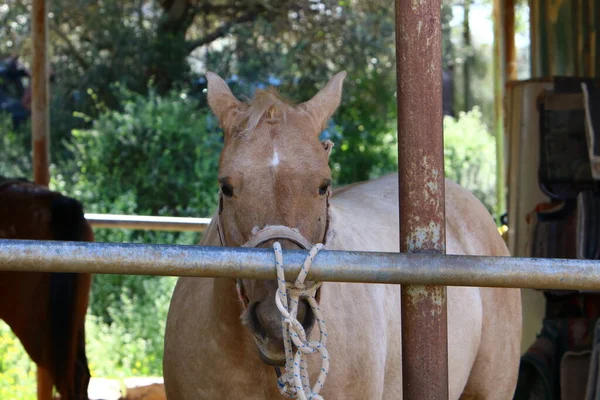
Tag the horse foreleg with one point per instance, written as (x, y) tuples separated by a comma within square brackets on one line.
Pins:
[(44, 384), (82, 371)]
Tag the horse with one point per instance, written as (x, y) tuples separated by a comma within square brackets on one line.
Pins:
[(224, 337), (46, 311)]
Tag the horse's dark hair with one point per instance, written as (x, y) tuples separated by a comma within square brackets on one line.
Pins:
[(68, 224), (60, 344)]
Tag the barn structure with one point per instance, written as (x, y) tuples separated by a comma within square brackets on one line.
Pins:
[(550, 130)]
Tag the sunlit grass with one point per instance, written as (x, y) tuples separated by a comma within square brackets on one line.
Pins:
[(17, 371)]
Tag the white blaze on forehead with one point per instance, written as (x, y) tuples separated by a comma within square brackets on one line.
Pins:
[(275, 160)]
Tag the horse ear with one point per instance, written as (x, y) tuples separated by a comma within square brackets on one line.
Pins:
[(220, 99), (322, 106), (327, 145)]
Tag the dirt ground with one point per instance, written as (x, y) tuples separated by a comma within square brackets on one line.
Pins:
[(127, 389), (155, 391)]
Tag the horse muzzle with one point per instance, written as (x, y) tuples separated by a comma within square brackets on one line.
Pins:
[(264, 322), (262, 317)]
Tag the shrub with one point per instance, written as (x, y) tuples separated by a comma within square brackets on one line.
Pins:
[(153, 155), (132, 343), (17, 371), (15, 148), (470, 155)]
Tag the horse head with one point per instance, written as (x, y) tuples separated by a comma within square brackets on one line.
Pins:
[(275, 184)]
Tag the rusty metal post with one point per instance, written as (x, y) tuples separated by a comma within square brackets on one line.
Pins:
[(421, 186), (40, 129), (502, 62), (40, 116), (510, 49)]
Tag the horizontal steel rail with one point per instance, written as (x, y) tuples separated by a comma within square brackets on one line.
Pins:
[(141, 222), (340, 266)]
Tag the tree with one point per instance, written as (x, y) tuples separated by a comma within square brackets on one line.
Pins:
[(300, 43), (468, 55), (135, 41), (304, 56)]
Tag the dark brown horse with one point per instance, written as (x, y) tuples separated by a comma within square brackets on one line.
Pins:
[(46, 310)]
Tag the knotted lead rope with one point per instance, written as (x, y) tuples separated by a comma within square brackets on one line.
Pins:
[(295, 382)]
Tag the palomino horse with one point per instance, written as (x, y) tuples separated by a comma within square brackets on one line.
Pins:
[(46, 310), (223, 339)]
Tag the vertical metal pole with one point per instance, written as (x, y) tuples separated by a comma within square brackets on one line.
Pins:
[(40, 130), (534, 29), (40, 117), (501, 65), (421, 186), (510, 49), (595, 38)]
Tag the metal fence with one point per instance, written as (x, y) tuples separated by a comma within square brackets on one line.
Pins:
[(141, 222), (336, 266)]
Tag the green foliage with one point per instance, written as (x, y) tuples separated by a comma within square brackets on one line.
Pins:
[(470, 155), (365, 137), (14, 26), (481, 82), (17, 371), (448, 56), (15, 149), (154, 155), (349, 38), (131, 344)]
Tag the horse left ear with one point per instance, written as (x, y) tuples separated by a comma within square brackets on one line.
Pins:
[(220, 99), (327, 145), (322, 106)]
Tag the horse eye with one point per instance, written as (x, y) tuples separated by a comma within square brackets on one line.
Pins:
[(324, 187), (226, 187), (227, 190)]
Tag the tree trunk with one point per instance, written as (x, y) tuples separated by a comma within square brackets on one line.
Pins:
[(468, 56)]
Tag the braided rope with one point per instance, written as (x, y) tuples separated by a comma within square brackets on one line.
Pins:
[(295, 382)]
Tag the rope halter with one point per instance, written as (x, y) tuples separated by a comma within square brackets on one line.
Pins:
[(295, 382)]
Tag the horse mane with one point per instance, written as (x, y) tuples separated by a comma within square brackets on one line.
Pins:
[(266, 105)]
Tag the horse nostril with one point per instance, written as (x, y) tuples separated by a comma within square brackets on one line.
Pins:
[(306, 316), (254, 321), (267, 319), (264, 320)]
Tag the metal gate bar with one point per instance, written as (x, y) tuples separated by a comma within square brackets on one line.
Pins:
[(331, 266), (142, 222)]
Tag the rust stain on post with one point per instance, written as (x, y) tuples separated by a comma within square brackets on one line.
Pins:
[(40, 124), (421, 184)]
